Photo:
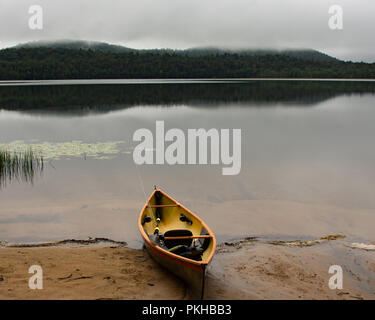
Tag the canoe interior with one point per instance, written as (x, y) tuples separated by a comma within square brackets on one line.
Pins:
[(169, 213)]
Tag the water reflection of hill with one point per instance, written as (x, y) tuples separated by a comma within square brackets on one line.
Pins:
[(84, 99)]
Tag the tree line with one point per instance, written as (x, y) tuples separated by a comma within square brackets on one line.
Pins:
[(59, 63)]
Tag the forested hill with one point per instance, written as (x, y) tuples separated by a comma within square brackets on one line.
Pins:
[(80, 60)]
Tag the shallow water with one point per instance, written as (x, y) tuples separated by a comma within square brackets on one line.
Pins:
[(307, 158)]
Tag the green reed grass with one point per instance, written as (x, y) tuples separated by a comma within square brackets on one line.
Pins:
[(19, 166)]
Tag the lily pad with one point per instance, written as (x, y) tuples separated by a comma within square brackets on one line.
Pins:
[(67, 150)]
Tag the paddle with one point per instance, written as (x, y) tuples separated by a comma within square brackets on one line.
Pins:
[(187, 237)]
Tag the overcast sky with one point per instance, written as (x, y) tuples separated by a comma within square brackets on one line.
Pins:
[(192, 23)]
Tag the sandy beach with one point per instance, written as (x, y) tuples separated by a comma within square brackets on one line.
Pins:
[(245, 269)]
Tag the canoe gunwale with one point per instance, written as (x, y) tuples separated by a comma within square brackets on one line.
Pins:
[(189, 262)]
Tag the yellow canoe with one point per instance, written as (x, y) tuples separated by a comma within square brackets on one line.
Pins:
[(177, 239)]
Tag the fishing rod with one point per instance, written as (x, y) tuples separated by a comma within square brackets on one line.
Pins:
[(156, 220)]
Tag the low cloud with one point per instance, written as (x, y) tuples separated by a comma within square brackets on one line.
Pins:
[(183, 24)]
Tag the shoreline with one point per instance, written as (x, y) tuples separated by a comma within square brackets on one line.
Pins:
[(48, 82), (287, 241), (64, 242), (250, 268)]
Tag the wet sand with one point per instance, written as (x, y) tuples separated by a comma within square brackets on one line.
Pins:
[(246, 269), (259, 270)]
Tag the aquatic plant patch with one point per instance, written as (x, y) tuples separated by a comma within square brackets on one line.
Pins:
[(67, 150), (21, 166)]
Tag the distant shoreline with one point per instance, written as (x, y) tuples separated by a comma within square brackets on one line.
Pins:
[(166, 81), (79, 62)]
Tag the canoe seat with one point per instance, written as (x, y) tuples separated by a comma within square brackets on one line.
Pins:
[(170, 243)]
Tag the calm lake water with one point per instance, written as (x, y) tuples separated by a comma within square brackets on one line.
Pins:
[(308, 158)]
